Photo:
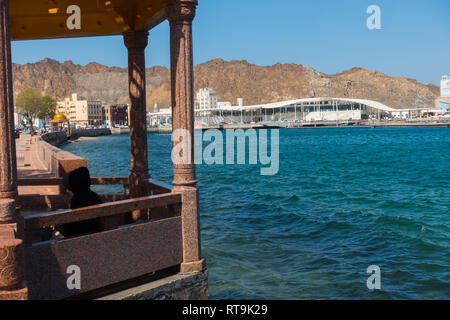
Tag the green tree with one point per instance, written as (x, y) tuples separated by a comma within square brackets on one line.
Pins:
[(32, 102), (48, 107)]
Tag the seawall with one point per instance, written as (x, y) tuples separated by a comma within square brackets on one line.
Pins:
[(54, 138), (60, 162), (57, 161)]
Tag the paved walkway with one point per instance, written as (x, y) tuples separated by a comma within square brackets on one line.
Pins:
[(33, 167)]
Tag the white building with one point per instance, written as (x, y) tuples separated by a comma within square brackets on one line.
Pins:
[(162, 117), (18, 119), (223, 105), (443, 102), (445, 86), (21, 121), (206, 99)]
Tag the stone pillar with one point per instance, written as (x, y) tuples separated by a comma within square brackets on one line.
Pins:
[(8, 167), (180, 14), (136, 42), (12, 264)]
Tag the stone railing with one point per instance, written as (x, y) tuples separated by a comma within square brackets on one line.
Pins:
[(118, 252), (58, 162), (106, 258)]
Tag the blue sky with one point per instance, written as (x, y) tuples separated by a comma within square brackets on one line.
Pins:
[(328, 35)]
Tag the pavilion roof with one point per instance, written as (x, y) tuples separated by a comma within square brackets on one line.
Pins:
[(47, 19)]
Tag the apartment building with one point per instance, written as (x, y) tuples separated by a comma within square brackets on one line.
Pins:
[(81, 112), (206, 99), (115, 115)]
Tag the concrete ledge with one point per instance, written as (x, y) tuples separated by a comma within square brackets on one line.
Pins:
[(188, 286)]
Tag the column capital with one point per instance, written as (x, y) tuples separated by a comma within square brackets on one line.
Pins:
[(180, 11), (135, 39)]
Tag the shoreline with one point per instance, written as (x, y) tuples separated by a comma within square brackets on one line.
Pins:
[(61, 138), (309, 126), (81, 139)]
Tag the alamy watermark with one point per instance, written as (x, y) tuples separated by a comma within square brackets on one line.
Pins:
[(374, 280), (231, 145), (374, 20), (74, 280), (74, 20)]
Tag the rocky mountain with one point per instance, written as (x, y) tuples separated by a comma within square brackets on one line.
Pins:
[(231, 80)]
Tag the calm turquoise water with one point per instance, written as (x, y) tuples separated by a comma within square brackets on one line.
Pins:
[(343, 199)]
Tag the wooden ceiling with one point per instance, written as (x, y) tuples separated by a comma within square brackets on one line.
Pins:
[(47, 19)]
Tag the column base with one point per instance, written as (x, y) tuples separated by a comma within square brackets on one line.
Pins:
[(8, 231), (7, 211), (11, 264), (195, 266), (21, 294)]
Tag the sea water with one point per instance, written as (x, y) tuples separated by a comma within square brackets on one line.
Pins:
[(343, 200)]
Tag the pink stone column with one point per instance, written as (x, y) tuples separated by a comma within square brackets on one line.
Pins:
[(8, 167), (12, 264), (180, 14), (12, 269), (136, 42)]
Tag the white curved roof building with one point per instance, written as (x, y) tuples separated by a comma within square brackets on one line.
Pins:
[(312, 101), (305, 101)]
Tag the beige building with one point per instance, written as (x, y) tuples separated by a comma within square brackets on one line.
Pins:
[(81, 112)]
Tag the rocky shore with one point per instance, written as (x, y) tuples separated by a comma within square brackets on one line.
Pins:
[(59, 138)]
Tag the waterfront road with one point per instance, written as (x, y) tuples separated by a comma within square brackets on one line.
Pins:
[(32, 166)]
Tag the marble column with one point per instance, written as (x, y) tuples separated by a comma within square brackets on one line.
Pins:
[(12, 264), (136, 42), (180, 14)]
